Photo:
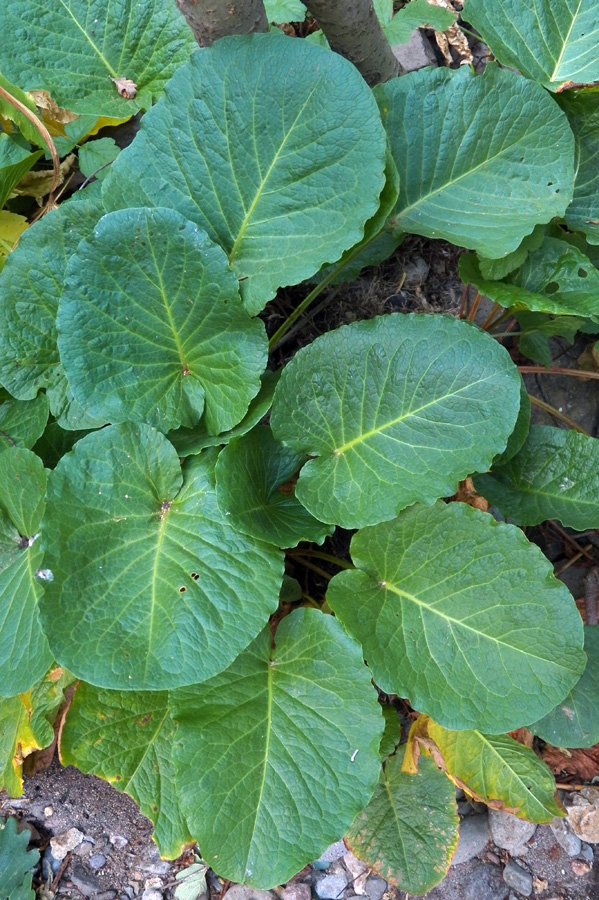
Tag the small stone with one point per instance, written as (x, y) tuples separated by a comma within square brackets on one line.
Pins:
[(518, 878), (129, 892), (297, 891), (118, 841), (63, 843), (539, 884), (583, 815), (50, 865), (509, 832), (569, 841), (84, 848), (330, 887), (492, 857), (243, 892), (106, 895), (359, 872), (416, 54), (483, 882), (474, 837), (375, 887), (48, 811), (85, 882), (586, 851), (332, 853), (157, 868), (152, 894), (581, 867), (96, 861), (153, 882)]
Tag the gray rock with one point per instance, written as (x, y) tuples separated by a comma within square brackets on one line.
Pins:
[(330, 886), (475, 834), (483, 883), (84, 848), (106, 895), (118, 841), (96, 861), (297, 891), (518, 878), (243, 892), (152, 894), (156, 868), (63, 843), (570, 842), (586, 851), (375, 887), (50, 865), (84, 881), (128, 892), (332, 853), (509, 832), (417, 53)]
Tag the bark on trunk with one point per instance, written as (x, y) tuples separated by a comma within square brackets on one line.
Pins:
[(212, 19), (353, 30)]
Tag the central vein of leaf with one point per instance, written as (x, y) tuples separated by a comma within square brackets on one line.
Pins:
[(248, 868), (558, 61), (154, 600), (87, 37)]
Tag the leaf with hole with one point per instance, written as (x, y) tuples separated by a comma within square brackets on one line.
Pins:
[(395, 410), (147, 571), (417, 14), (553, 476), (276, 755), (293, 168), (152, 307), (481, 159), (462, 615)]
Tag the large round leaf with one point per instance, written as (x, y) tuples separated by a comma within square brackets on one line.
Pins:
[(152, 588), (72, 48), (126, 738), (481, 159), (30, 288), (273, 146), (24, 651), (276, 755), (409, 830), (396, 409), (22, 422), (551, 42), (553, 476), (582, 109), (151, 326), (575, 721), (462, 615)]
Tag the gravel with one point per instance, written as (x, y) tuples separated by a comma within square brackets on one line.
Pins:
[(518, 878)]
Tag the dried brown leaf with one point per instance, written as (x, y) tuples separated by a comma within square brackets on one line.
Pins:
[(125, 87)]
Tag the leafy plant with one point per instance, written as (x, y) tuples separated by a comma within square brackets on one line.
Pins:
[(147, 512)]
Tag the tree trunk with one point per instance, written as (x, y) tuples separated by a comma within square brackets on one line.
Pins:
[(212, 19), (353, 30)]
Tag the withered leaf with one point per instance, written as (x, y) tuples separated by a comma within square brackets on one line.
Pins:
[(125, 87)]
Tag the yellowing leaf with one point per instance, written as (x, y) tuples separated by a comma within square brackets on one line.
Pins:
[(38, 184), (53, 116), (12, 227)]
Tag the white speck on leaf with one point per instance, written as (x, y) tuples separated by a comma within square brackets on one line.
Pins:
[(354, 754)]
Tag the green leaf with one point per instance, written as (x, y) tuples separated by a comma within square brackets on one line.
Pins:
[(279, 11), (415, 14), (395, 409), (553, 476), (16, 862), (191, 881), (13, 725), (409, 830), (24, 651), (291, 591), (96, 156), (10, 112), (15, 161), (462, 615), (189, 441), (582, 109), (521, 428), (499, 771), (30, 287), (383, 10), (55, 442), (536, 330), (549, 42), (557, 278), (152, 588), (127, 739), (472, 168), (254, 486), (263, 749), (72, 49), (392, 734), (494, 269), (152, 307), (575, 721), (295, 163), (22, 422)]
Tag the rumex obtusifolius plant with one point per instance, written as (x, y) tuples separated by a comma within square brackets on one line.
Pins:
[(143, 526)]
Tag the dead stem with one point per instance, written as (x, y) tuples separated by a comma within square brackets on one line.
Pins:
[(557, 414), (543, 370)]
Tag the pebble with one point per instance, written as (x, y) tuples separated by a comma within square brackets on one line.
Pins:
[(375, 887), (483, 882), (106, 895), (580, 867), (297, 891), (474, 837), (569, 841), (152, 894), (586, 851), (330, 887), (416, 54), (84, 848), (96, 861), (85, 882), (129, 892), (63, 843), (48, 811), (509, 832), (518, 878), (332, 853), (358, 870), (243, 892), (583, 815), (118, 841), (50, 865)]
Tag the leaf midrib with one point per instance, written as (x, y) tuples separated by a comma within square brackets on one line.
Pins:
[(270, 667), (558, 61), (87, 37), (504, 762)]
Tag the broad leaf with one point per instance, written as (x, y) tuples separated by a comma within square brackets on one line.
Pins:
[(557, 278), (276, 755), (30, 287), (279, 11), (392, 734), (415, 14), (582, 109), (15, 161), (521, 428), (96, 156), (462, 615), (575, 721), (499, 771), (553, 476), (127, 739), (73, 48), (150, 304), (13, 730), (24, 651), (472, 168), (550, 42), (409, 830), (494, 269), (22, 422), (293, 167), (12, 227), (395, 409), (152, 588), (255, 487), (16, 862), (537, 329), (12, 114), (189, 441)]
